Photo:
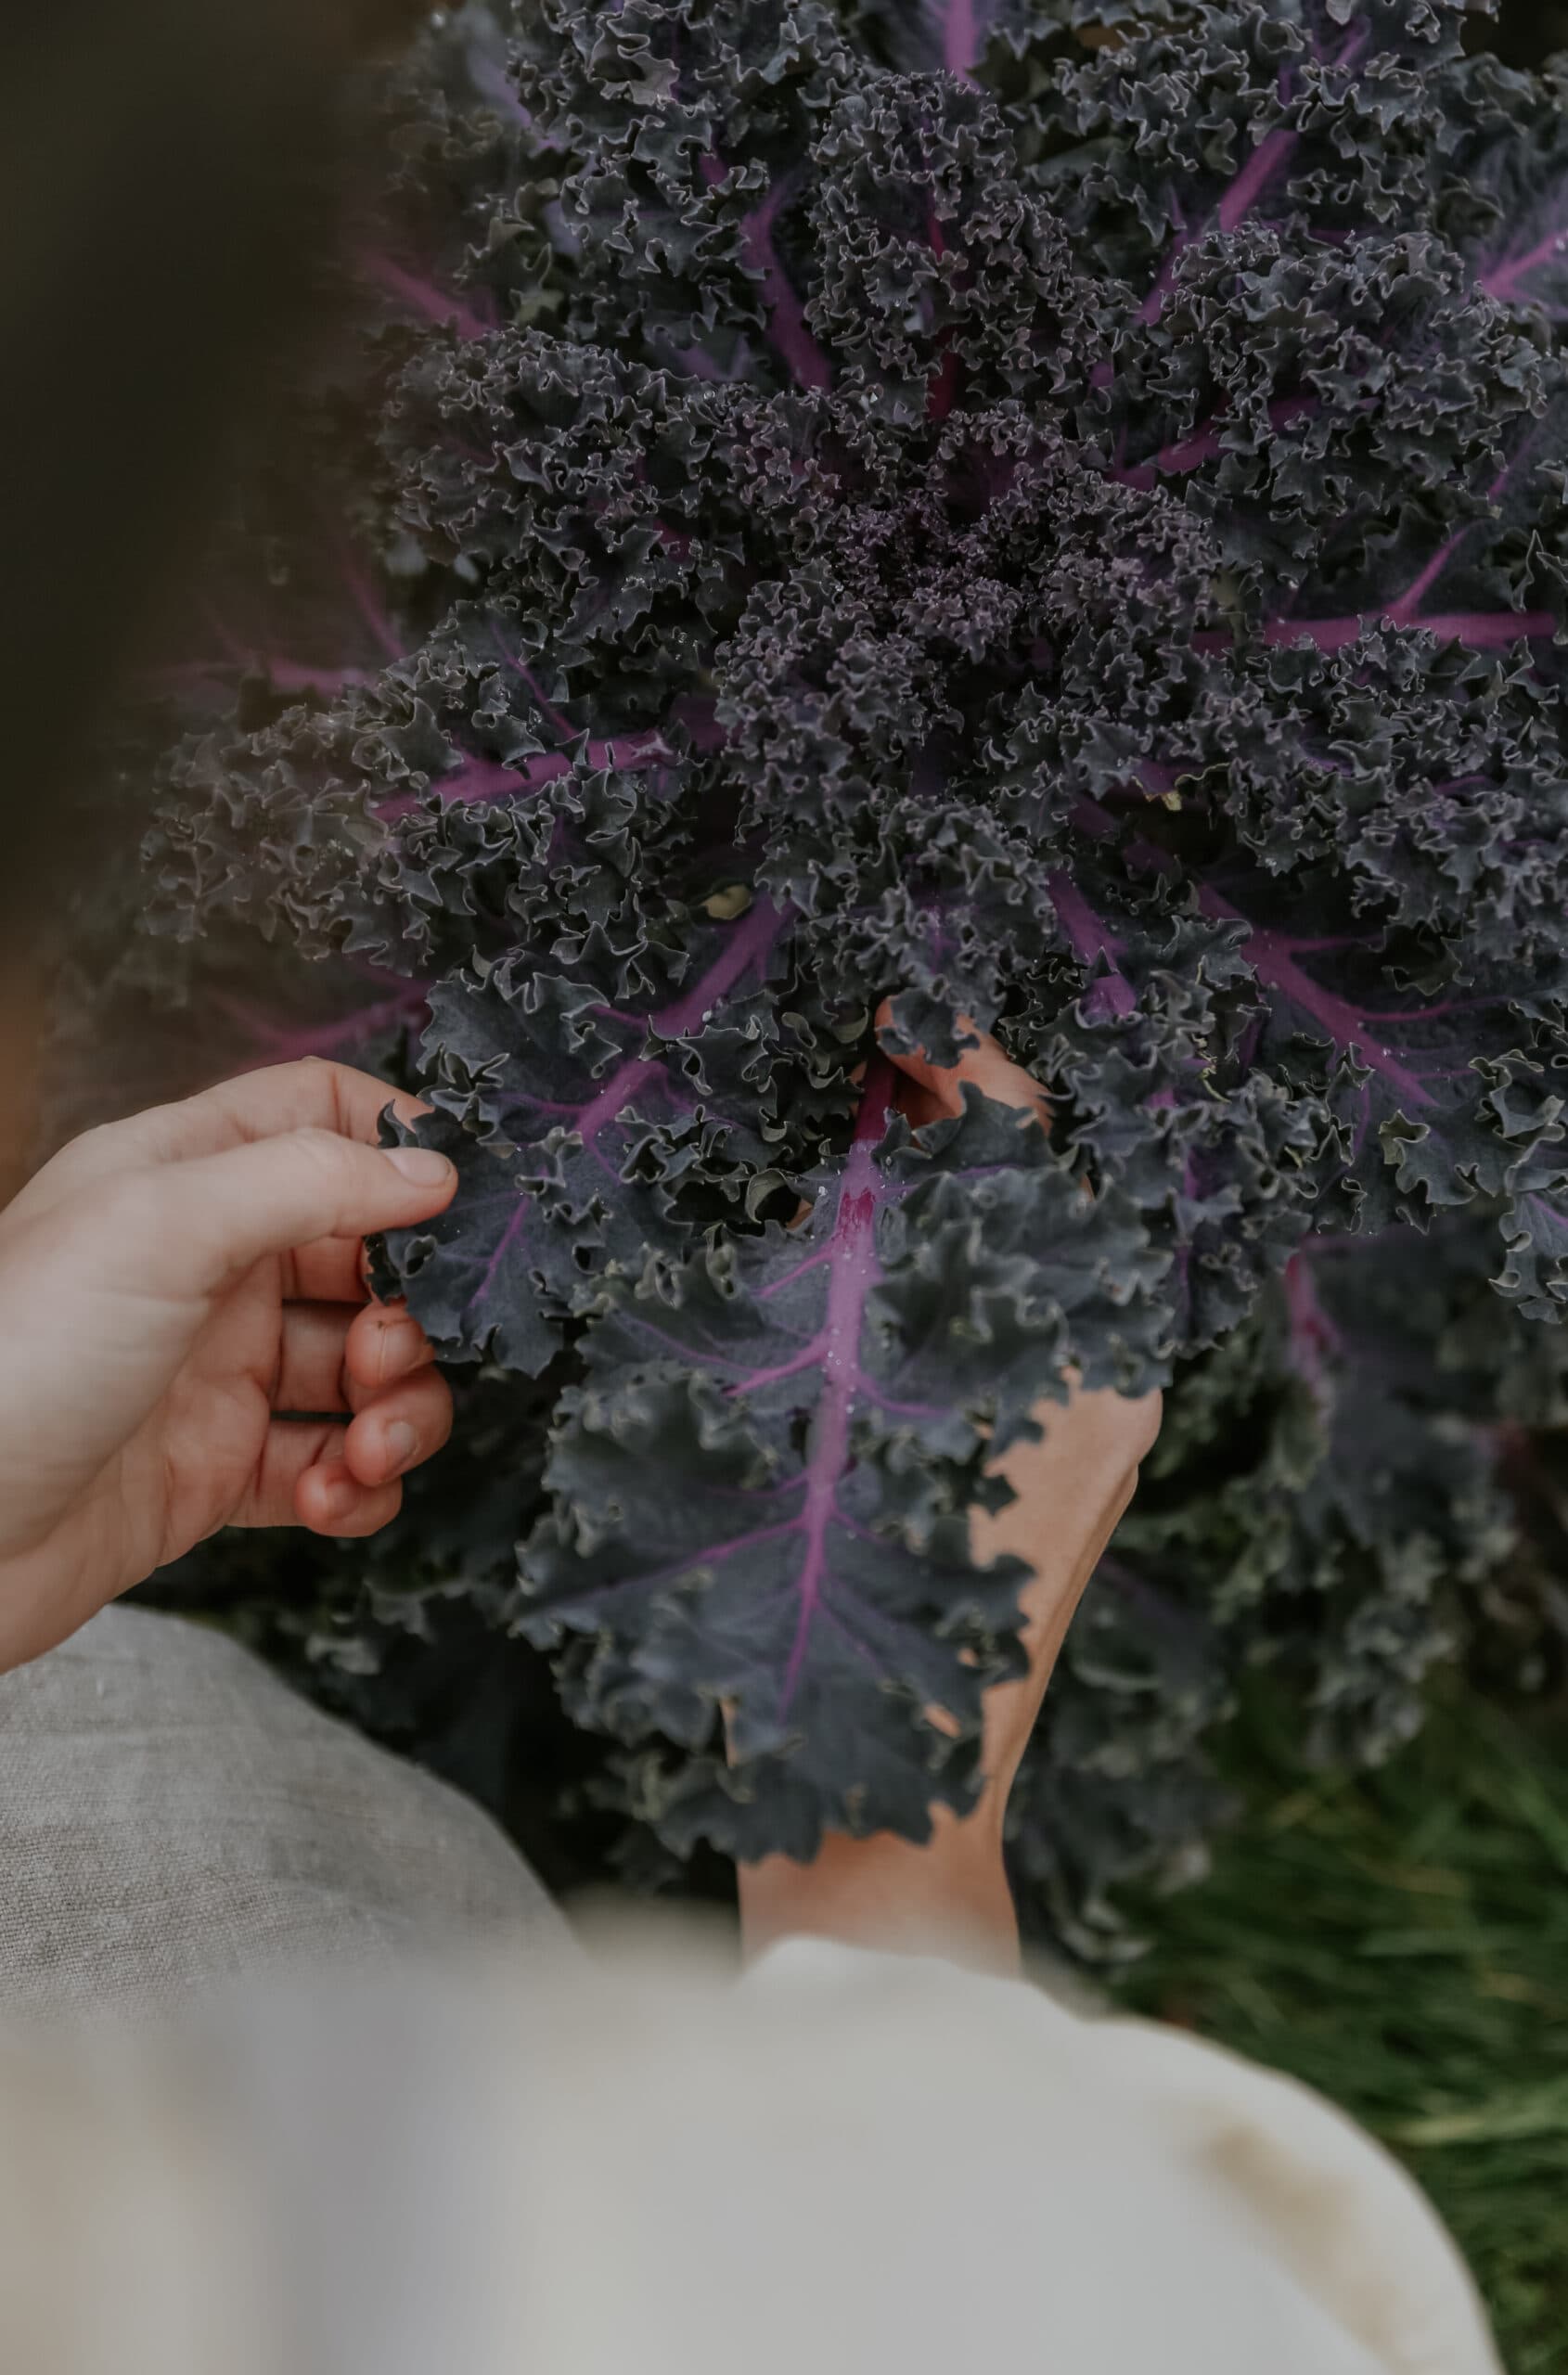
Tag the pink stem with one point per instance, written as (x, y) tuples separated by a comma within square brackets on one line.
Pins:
[(1313, 1337), (1502, 281), (423, 298), (961, 40), (484, 780), (279, 1043), (1187, 453), (854, 1272), (748, 943), (1272, 957), (788, 327), (745, 944), (1237, 199), (1484, 630)]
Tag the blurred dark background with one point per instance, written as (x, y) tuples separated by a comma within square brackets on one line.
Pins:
[(169, 169), (1526, 32)]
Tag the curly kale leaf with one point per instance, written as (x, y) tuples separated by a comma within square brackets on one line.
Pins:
[(760, 1490), (586, 1132), (1050, 513)]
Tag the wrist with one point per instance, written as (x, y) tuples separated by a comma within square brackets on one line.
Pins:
[(947, 1896)]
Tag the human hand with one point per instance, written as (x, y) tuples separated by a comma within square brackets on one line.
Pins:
[(950, 1894), (170, 1286), (1071, 1488)]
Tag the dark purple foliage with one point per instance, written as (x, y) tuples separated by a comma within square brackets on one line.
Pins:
[(1069, 532)]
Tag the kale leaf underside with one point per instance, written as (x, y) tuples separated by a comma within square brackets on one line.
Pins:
[(1049, 514)]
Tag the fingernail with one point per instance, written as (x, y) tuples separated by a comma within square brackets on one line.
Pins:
[(421, 1167), (401, 1342), (402, 1443), (339, 1495)]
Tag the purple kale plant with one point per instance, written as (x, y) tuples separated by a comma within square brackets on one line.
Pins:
[(1050, 512)]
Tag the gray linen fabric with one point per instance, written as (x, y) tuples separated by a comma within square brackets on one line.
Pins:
[(173, 1815)]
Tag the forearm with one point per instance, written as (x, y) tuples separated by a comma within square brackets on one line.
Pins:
[(949, 1895)]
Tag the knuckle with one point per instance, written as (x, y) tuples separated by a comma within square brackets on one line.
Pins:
[(325, 1151), (324, 1167), (316, 1069), (131, 1209), (327, 1086)]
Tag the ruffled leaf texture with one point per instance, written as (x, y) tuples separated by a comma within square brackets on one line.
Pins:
[(1052, 515)]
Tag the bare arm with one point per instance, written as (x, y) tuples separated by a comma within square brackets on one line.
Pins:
[(950, 1896)]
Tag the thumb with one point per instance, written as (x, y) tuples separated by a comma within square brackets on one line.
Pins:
[(194, 1227)]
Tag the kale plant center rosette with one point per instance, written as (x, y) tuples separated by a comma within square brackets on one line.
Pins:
[(1053, 515)]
